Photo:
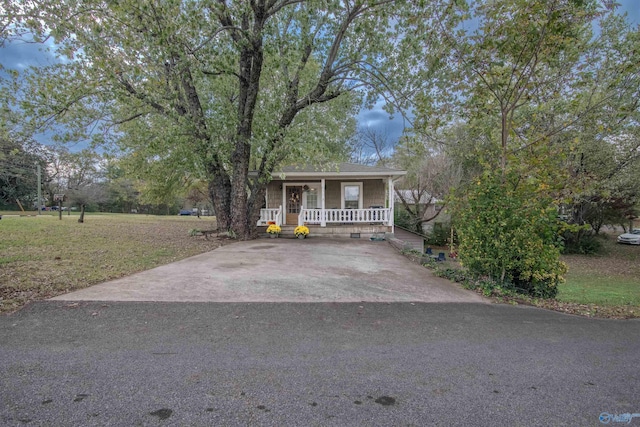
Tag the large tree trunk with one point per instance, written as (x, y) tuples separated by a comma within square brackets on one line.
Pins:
[(250, 70), (220, 192), (256, 200), (235, 209), (239, 202)]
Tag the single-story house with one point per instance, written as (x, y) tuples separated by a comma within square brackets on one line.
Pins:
[(344, 199)]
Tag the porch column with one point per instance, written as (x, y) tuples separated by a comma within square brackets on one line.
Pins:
[(284, 203), (323, 217), (391, 207)]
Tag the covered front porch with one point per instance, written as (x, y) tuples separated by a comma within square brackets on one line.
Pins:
[(324, 217), (356, 196)]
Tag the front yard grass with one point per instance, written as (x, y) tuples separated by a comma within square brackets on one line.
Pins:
[(608, 282), (584, 288), (41, 256), (603, 285)]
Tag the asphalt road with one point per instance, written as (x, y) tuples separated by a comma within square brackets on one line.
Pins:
[(313, 364)]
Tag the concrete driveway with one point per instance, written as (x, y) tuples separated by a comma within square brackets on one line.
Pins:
[(285, 270)]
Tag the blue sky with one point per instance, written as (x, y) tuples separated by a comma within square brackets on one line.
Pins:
[(20, 55), (632, 7)]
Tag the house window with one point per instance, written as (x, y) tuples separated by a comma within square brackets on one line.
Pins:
[(311, 201), (351, 195)]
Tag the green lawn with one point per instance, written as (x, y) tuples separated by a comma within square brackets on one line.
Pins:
[(609, 279), (42, 256), (583, 288), (607, 284)]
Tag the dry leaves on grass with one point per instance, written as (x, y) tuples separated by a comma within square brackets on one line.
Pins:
[(42, 257), (610, 265), (614, 260), (585, 310)]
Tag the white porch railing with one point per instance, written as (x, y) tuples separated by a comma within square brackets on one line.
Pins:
[(372, 215), (270, 215), (310, 216)]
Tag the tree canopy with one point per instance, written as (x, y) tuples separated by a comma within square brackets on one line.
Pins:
[(536, 105), (219, 87), (513, 99)]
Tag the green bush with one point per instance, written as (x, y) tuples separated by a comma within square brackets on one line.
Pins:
[(508, 233), (453, 274), (581, 244), (440, 234)]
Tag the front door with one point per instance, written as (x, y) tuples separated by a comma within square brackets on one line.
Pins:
[(294, 204)]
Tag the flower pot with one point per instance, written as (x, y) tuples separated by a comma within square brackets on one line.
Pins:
[(301, 236), (273, 236)]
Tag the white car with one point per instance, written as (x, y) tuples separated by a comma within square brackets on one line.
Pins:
[(631, 238)]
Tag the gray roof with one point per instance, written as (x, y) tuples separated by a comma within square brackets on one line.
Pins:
[(338, 169)]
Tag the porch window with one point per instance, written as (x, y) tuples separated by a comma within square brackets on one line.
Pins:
[(351, 195), (311, 198)]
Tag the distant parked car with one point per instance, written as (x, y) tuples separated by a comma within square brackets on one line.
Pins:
[(631, 238), (185, 212)]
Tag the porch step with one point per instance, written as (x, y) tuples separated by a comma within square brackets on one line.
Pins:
[(364, 231), (287, 230)]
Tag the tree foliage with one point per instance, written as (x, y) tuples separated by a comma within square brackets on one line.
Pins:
[(19, 153), (431, 176), (217, 88), (512, 80), (605, 165), (520, 90), (508, 231), (18, 177)]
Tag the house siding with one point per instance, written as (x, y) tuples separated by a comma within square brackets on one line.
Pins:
[(274, 194), (374, 193), (332, 195)]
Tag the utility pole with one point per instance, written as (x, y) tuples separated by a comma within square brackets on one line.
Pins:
[(39, 189)]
